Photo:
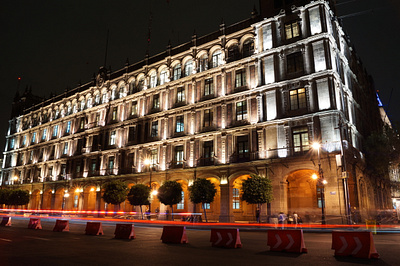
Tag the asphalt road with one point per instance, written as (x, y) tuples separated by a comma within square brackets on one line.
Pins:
[(22, 246)]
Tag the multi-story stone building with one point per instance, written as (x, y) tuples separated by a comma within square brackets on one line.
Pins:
[(249, 98)]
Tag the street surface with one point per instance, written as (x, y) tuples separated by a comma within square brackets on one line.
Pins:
[(22, 246)]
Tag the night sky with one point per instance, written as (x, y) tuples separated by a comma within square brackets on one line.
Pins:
[(54, 45)]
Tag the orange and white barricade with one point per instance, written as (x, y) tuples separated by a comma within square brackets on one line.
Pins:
[(34, 223), (356, 244), (94, 228), (6, 221), (228, 238), (174, 234), (61, 226), (124, 231), (286, 240)]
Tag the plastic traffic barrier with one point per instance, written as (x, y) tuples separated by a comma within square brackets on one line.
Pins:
[(124, 231), (93, 228), (356, 244), (6, 221), (286, 240), (61, 226), (228, 238), (34, 223), (174, 234)]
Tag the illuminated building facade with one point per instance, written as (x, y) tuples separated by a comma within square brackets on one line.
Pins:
[(249, 98)]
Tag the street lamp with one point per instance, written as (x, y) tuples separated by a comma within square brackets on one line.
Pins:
[(321, 182)]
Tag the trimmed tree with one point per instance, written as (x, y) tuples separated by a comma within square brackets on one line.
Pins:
[(170, 193), (257, 190), (139, 195), (18, 197), (4, 196), (115, 192), (202, 191)]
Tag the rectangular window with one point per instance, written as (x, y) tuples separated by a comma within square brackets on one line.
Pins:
[(68, 128), (163, 77), (179, 155), (12, 142), (33, 137), (63, 171), (97, 119), (297, 99), (319, 197), (209, 87), (181, 204), (240, 78), (177, 72), (292, 30), (208, 152), (65, 151), (114, 113), (31, 156), (295, 63), (131, 136), (300, 139), (44, 134), (208, 118), (134, 108), (113, 137), (236, 199), (24, 141), (243, 147), (82, 123), (216, 58), (154, 157), (180, 95), (156, 101), (93, 164), (241, 110), (180, 126), (111, 163), (154, 129), (55, 131)]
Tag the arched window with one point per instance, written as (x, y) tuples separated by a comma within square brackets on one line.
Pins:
[(203, 63), (141, 84), (233, 53), (104, 98), (114, 94), (177, 72), (153, 80), (75, 108), (248, 48), (188, 68), (69, 110), (97, 98), (83, 104), (122, 93), (163, 76), (217, 58)]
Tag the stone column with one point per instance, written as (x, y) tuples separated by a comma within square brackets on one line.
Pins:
[(226, 215)]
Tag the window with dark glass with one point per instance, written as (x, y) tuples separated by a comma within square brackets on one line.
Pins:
[(243, 147), (131, 134), (248, 48), (297, 99), (179, 124), (209, 87), (208, 118), (233, 53), (65, 151), (295, 63), (292, 30), (141, 84), (216, 58), (177, 72), (208, 151), (93, 164), (300, 139), (82, 123), (240, 78), (33, 137), (154, 157), (180, 95), (44, 134), (156, 101), (113, 138), (241, 110), (154, 129), (68, 127)]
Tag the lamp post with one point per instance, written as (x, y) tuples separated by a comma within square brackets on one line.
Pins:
[(321, 182)]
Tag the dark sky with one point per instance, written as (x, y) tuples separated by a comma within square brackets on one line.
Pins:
[(54, 45)]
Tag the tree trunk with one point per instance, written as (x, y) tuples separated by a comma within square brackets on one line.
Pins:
[(172, 212), (141, 211), (205, 212)]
